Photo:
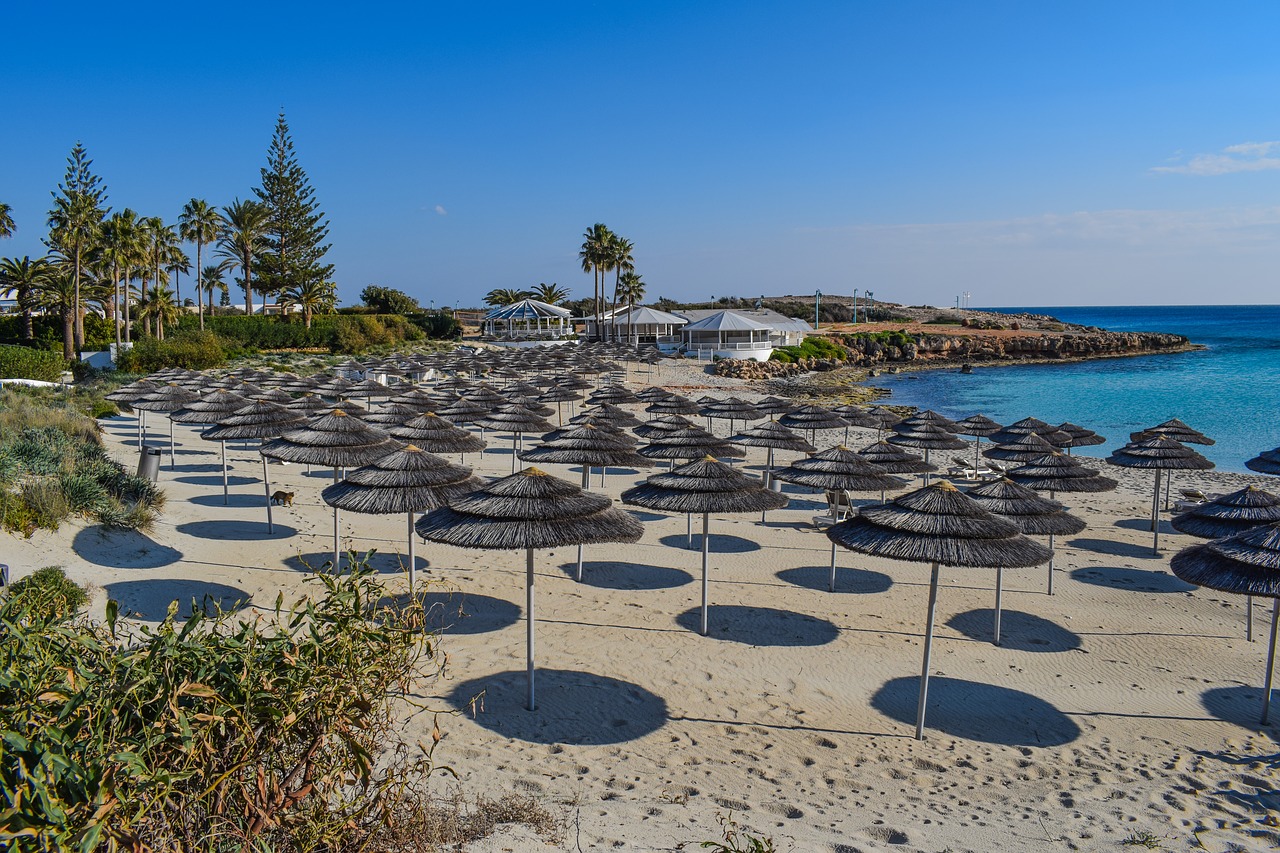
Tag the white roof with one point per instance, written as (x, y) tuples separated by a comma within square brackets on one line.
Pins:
[(642, 315), (527, 309), (727, 321)]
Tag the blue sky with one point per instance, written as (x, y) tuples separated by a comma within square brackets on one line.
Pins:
[(1029, 153)]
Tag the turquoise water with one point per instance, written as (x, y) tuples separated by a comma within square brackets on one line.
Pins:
[(1230, 391)]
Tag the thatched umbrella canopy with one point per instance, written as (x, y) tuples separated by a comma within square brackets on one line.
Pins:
[(979, 426), (812, 418), (1248, 564), (128, 394), (1228, 515), (517, 420), (1021, 448), (435, 434), (883, 418), (558, 396), (273, 395), (730, 409), (1159, 454), (704, 486), (939, 525), (610, 413), (309, 404), (415, 398), (336, 387), (335, 440), (1266, 462), (772, 436), (692, 442), (463, 411), (1017, 429), (927, 436), (928, 417), (616, 394), (652, 394), (589, 446), (167, 399), (674, 404), (662, 425), (391, 414), (370, 388), (1175, 429), (575, 383), (771, 407), (855, 416), (260, 419), (529, 510), (1057, 472), (1080, 436), (408, 480), (1032, 514), (895, 460), (209, 408), (304, 385)]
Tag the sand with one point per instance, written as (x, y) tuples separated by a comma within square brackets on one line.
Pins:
[(1124, 705)]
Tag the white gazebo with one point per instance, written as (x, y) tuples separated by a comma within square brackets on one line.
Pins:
[(728, 334), (639, 325), (528, 321)]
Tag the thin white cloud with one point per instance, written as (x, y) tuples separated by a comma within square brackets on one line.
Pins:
[(439, 208), (1243, 157)]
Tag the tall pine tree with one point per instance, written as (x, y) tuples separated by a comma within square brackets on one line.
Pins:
[(294, 246)]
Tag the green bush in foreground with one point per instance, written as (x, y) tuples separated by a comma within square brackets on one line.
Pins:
[(190, 349), (49, 592), (29, 363), (211, 734), (812, 347)]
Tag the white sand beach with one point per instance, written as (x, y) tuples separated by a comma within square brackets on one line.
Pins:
[(1124, 705)]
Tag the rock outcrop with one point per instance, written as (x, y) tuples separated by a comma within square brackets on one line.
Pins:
[(902, 347)]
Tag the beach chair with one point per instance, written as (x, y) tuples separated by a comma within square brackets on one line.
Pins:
[(995, 472), (839, 505), (964, 471), (1194, 495)]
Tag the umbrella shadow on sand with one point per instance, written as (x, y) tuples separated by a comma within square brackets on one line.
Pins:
[(1138, 580), (240, 501), (628, 576), (150, 599), (720, 543), (385, 563), (979, 712), (1241, 705), (122, 549), (861, 581), (213, 480), (1111, 548), (574, 707), (232, 531), (1023, 632), (760, 626), (457, 613)]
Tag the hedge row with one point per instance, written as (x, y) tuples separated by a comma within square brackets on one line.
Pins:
[(30, 363), (338, 333)]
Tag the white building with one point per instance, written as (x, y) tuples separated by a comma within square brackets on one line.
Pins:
[(528, 323), (740, 333)]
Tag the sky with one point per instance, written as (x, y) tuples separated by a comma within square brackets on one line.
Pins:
[(1049, 153)]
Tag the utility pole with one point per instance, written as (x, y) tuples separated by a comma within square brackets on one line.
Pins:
[(855, 306), (817, 303)]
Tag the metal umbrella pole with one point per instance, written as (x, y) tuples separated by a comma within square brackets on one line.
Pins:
[(923, 701)]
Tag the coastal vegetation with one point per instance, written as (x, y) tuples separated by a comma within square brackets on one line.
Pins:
[(26, 363), (53, 466), (812, 347)]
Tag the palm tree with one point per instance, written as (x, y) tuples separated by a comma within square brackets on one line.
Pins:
[(177, 263), (158, 308), (313, 297), (595, 260), (118, 246), (242, 239), (58, 294), (622, 261), (549, 293), (73, 226), (161, 244), (211, 279), (23, 279), (200, 223), (631, 289), (6, 220), (505, 296)]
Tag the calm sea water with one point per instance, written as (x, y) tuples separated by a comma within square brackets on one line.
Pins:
[(1230, 391)]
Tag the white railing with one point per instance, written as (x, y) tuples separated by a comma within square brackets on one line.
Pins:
[(733, 345)]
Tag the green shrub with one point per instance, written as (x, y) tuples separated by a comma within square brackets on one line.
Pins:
[(944, 320), (28, 363), (49, 592), (43, 496), (438, 325), (215, 733), (190, 349), (81, 492)]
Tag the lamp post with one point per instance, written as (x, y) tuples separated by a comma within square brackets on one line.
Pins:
[(855, 306), (871, 303), (817, 303)]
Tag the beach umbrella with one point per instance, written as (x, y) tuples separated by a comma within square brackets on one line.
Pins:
[(927, 436), (167, 399), (415, 398), (529, 510), (1175, 429), (1248, 564), (391, 414), (335, 440), (1159, 454), (937, 524), (771, 407), (979, 426), (589, 446), (370, 388), (839, 469), (1020, 448), (1228, 515), (730, 409), (883, 418), (463, 411), (674, 404), (273, 395), (705, 486), (308, 404), (855, 416), (128, 394), (652, 394), (609, 413), (409, 480), (662, 425), (1266, 462), (434, 434), (1080, 436), (772, 436), (517, 420), (209, 408), (926, 417), (1031, 514), (692, 442), (1026, 426), (895, 460), (812, 418), (260, 419), (615, 394), (558, 396)]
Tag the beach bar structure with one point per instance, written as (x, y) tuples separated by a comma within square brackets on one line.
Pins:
[(728, 334), (528, 322), (638, 324)]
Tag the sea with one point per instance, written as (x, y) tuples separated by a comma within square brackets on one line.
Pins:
[(1230, 391)]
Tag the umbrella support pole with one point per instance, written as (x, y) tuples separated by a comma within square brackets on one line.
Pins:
[(225, 497), (928, 650), (1155, 517), (336, 544), (831, 584), (1248, 618), (266, 487), (1168, 483), (705, 552), (142, 420), (1271, 662), (586, 478), (977, 446), (1051, 565), (999, 594), (767, 479), (688, 530), (172, 461), (926, 462), (532, 703), (413, 566)]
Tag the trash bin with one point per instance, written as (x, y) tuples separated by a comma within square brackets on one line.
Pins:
[(4, 575), (149, 463)]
